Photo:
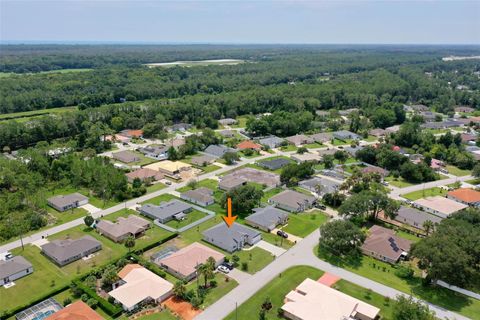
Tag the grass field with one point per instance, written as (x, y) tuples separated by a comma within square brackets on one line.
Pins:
[(195, 63), (458, 172), (155, 187), (385, 274), (27, 115), (160, 198), (398, 182), (256, 258), (93, 200), (192, 216), (66, 216), (425, 193), (303, 224), (473, 181), (338, 142), (289, 147), (314, 145), (270, 193)]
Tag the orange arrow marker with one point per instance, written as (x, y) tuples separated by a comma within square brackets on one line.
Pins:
[(229, 219)]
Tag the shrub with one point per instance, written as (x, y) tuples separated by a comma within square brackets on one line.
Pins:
[(92, 303), (84, 297), (67, 301), (213, 283), (404, 272), (244, 266)]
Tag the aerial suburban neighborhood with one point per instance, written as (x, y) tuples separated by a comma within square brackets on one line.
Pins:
[(159, 179)]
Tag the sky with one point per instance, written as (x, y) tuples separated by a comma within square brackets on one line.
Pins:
[(234, 21)]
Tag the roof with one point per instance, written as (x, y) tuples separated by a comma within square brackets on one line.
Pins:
[(200, 160), (228, 183), (312, 300), (274, 164), (415, 215), (227, 133), (465, 195), (186, 260), (227, 121), (325, 152), (254, 175), (378, 132), (394, 128), (468, 137), (227, 237), (168, 165), (62, 250), (303, 157), (175, 142), (218, 150), (267, 217), (383, 241), (375, 169), (131, 224), (140, 285), (299, 139), (322, 136), (132, 133), (272, 140), (78, 310), (144, 173), (13, 266), (125, 156), (165, 209), (464, 109), (292, 198), (346, 134), (441, 204), (154, 149), (200, 194), (65, 200), (328, 186), (247, 144)]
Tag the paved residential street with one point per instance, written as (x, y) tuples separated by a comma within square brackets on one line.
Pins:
[(300, 254)]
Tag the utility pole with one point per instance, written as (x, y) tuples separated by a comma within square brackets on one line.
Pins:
[(236, 310)]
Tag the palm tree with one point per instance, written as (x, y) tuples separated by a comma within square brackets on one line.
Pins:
[(130, 243), (179, 289), (428, 226), (206, 269)]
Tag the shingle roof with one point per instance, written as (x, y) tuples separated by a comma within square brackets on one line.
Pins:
[(292, 198), (415, 215), (66, 200), (62, 250), (322, 136), (126, 156), (227, 237), (218, 150), (200, 194), (144, 173), (13, 266), (274, 164), (271, 141), (440, 204), (267, 217), (165, 209), (129, 225), (383, 241), (202, 159)]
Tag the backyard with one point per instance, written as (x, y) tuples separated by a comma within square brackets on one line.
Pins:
[(192, 216), (457, 171), (224, 285), (303, 224)]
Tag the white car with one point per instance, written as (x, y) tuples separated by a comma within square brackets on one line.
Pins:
[(223, 269)]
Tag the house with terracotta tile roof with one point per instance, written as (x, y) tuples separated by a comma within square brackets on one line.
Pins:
[(132, 133), (183, 263), (78, 310), (139, 284), (466, 196), (247, 144), (384, 245)]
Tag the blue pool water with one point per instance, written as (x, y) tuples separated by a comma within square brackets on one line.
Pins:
[(43, 315)]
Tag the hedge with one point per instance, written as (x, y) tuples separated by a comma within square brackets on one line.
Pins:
[(13, 312), (111, 309), (155, 244), (148, 265)]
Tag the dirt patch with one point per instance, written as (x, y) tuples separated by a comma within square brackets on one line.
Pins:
[(181, 308)]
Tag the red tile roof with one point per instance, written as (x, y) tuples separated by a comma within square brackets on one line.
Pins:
[(247, 144), (76, 311), (465, 195)]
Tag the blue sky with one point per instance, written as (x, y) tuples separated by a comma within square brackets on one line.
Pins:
[(232, 21)]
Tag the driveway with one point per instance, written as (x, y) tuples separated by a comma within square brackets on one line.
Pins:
[(239, 276), (90, 208), (273, 249)]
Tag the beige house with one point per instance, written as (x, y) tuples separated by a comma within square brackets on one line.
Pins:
[(137, 285), (124, 227), (170, 168), (312, 300), (439, 206)]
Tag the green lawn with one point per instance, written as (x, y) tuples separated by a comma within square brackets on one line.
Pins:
[(385, 274), (275, 290), (303, 224), (66, 216), (338, 142), (257, 259), (93, 200), (473, 181), (193, 216), (314, 145), (253, 155), (370, 139), (160, 198), (207, 183), (163, 315), (209, 168), (458, 172), (270, 193), (289, 147), (241, 122), (35, 113), (398, 182), (155, 187), (224, 285), (425, 193)]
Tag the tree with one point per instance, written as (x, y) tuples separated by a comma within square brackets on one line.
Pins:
[(476, 171), (428, 226), (292, 173), (172, 154), (230, 157), (302, 150), (207, 270), (334, 199), (328, 161), (179, 289), (408, 309), (130, 242), (368, 204), (244, 199), (341, 237), (88, 220), (109, 276)]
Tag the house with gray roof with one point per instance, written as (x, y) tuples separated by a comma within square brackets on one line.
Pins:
[(201, 196), (159, 152), (442, 124), (182, 127), (66, 202), (227, 133), (377, 132), (292, 201), (345, 135), (230, 183), (13, 268), (166, 211), (267, 218), (274, 164), (231, 239), (125, 156), (414, 217), (271, 142), (218, 150), (63, 252), (321, 186), (322, 137), (227, 121), (352, 151), (429, 116), (202, 160)]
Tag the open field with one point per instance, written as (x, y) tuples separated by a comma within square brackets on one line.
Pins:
[(457, 171), (398, 182), (192, 216), (11, 74), (28, 115), (425, 193), (93, 200), (303, 224), (385, 273), (224, 285), (256, 258)]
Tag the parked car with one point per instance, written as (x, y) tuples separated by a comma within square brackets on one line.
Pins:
[(282, 234), (223, 269), (229, 265), (321, 206), (168, 183), (125, 143)]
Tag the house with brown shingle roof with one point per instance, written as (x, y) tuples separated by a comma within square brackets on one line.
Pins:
[(124, 227), (466, 196), (384, 245), (299, 139), (378, 132), (144, 174)]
